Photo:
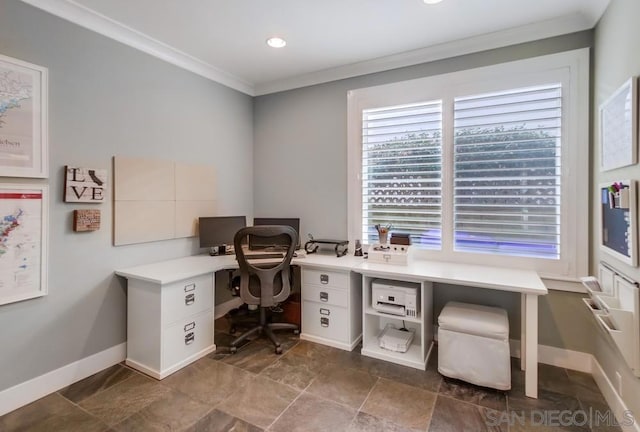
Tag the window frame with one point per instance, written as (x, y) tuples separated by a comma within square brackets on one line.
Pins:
[(571, 69)]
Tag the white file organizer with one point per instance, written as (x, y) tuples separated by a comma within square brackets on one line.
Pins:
[(615, 303)]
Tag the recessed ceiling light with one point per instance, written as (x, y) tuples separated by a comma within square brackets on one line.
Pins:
[(276, 42), (431, 1)]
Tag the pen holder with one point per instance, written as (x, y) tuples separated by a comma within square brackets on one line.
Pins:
[(383, 236)]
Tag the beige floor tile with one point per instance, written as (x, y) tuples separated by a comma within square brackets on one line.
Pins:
[(260, 402), (51, 413), (407, 406), (294, 370), (451, 415), (346, 386), (172, 412), (313, 414), (208, 381), (218, 421), (124, 399)]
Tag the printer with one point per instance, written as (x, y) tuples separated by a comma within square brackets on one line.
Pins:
[(395, 297)]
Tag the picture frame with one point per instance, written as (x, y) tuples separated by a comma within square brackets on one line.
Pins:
[(24, 222), (23, 119), (619, 127), (619, 220)]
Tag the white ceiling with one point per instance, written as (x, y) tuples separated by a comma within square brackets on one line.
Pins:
[(327, 39)]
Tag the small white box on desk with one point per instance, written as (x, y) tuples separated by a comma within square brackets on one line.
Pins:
[(389, 254)]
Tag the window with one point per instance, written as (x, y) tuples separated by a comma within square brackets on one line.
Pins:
[(478, 169), (401, 171), (507, 172)]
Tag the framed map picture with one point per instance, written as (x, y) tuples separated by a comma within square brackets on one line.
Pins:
[(23, 241), (619, 127), (23, 119)]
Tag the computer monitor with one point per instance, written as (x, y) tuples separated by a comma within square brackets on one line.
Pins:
[(219, 230), (277, 242)]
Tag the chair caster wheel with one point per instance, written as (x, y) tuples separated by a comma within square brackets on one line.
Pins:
[(296, 332), (233, 330), (278, 350), (233, 350)]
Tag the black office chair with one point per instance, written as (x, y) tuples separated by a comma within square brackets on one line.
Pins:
[(265, 283)]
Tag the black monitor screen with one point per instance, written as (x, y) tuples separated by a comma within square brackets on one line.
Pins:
[(216, 231), (277, 241)]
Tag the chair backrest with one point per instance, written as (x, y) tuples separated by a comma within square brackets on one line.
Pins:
[(264, 283)]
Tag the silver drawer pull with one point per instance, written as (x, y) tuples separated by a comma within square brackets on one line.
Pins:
[(324, 296), (324, 311), (190, 287), (324, 279), (190, 326), (324, 322), (189, 338), (189, 299)]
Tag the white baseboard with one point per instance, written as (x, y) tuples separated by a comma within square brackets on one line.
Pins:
[(38, 387), (560, 357), (223, 308)]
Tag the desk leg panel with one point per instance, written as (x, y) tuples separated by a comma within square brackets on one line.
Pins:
[(531, 345), (523, 332)]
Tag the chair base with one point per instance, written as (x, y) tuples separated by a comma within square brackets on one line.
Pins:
[(264, 328)]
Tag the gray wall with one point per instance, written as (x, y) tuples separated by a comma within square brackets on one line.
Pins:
[(617, 48), (107, 99), (300, 169)]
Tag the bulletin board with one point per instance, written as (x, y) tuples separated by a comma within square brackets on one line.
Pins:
[(618, 220), (159, 199)]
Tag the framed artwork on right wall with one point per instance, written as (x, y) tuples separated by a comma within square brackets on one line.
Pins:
[(619, 127)]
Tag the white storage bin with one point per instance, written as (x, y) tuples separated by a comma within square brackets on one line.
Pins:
[(473, 345)]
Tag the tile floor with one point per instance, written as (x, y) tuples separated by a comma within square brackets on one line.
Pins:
[(309, 388)]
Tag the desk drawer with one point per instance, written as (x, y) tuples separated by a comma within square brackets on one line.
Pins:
[(325, 295), (186, 298), (325, 278), (325, 321), (187, 337)]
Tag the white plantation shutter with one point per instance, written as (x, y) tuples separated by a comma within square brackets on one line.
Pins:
[(401, 171), (507, 172)]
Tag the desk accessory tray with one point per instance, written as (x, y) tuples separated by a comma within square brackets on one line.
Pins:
[(389, 254), (341, 246)]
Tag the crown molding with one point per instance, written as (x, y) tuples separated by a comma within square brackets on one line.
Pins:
[(531, 32), (94, 21)]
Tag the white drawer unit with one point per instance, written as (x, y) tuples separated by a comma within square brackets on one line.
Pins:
[(323, 294), (332, 307), (186, 338), (326, 321), (328, 278), (185, 298), (169, 325)]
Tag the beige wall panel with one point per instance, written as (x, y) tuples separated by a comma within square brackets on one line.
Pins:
[(143, 221), (187, 214), (138, 179), (195, 182)]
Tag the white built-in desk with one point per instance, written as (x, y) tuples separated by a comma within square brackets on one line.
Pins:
[(170, 307)]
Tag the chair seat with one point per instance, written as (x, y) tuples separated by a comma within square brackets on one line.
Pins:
[(478, 320)]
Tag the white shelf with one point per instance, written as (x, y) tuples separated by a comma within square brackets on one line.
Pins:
[(411, 358), (372, 311)]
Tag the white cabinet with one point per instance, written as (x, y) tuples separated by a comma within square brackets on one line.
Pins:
[(373, 322), (331, 307), (169, 325)]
